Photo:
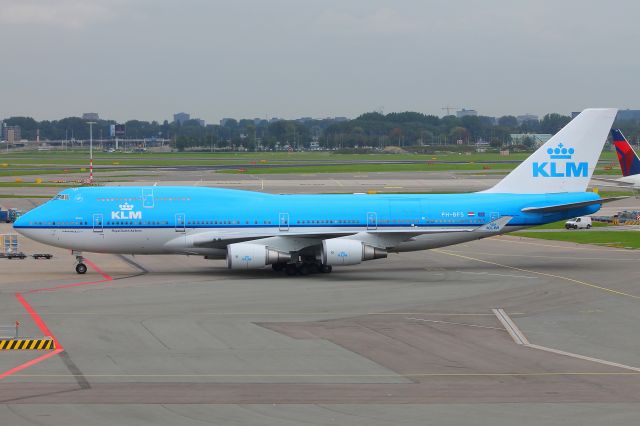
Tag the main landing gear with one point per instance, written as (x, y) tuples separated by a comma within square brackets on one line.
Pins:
[(301, 268), (81, 268)]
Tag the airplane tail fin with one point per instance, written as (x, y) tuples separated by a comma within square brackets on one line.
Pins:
[(629, 161), (565, 162)]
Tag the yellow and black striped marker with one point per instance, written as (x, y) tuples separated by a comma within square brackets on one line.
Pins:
[(26, 344)]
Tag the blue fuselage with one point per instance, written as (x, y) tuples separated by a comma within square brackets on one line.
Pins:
[(97, 219)]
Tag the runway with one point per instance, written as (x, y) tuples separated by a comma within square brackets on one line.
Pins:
[(184, 341)]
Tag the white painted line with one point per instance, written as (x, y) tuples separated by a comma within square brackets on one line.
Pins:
[(498, 275), (586, 358), (455, 323), (511, 327), (520, 339)]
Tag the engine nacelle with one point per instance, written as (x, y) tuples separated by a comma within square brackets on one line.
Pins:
[(338, 252), (253, 256)]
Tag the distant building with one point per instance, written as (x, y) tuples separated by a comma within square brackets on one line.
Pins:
[(201, 122), (482, 146), (224, 121), (466, 113), (538, 138), (92, 116), (11, 134), (526, 117), (181, 117), (628, 115)]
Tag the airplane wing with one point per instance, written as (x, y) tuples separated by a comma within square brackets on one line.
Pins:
[(296, 241)]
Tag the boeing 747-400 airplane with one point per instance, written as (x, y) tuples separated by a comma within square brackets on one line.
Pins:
[(304, 233)]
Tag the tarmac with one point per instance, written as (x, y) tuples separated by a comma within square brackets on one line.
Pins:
[(417, 338)]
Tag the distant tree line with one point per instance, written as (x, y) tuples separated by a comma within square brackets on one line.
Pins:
[(369, 130)]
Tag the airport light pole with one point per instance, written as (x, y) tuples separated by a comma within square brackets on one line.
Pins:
[(91, 123)]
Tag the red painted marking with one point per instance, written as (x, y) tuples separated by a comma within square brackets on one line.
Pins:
[(28, 364), (60, 287), (106, 276), (37, 319)]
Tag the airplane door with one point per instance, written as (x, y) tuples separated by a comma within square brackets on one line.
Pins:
[(98, 222), (147, 198), (283, 222), (180, 222), (372, 220)]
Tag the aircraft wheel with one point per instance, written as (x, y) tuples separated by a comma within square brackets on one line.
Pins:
[(81, 268), (314, 268), (304, 269), (291, 269), (278, 267), (326, 269)]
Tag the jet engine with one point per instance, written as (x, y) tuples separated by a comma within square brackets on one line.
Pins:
[(337, 252), (253, 256)]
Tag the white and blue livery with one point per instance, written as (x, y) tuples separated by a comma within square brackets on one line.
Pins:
[(304, 233)]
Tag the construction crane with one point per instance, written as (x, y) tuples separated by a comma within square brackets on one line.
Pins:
[(448, 109)]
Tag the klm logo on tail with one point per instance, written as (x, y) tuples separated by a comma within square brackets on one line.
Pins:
[(560, 168)]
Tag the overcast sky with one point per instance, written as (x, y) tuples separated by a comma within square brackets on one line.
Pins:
[(148, 59)]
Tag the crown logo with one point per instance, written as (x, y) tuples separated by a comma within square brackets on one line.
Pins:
[(126, 206), (560, 152)]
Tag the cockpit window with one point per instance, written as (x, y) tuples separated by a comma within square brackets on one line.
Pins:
[(64, 197)]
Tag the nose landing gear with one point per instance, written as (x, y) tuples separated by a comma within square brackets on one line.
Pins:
[(81, 268)]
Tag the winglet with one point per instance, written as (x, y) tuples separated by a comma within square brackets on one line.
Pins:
[(495, 225), (629, 161)]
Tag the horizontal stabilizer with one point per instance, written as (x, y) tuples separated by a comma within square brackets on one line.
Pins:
[(619, 183), (569, 206)]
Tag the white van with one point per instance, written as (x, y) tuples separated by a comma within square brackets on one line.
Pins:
[(582, 222)]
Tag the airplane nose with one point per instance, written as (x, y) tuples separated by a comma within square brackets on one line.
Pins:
[(21, 225), (22, 221)]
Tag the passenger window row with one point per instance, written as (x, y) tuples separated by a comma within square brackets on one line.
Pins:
[(226, 222), (58, 223), (328, 221), (131, 199)]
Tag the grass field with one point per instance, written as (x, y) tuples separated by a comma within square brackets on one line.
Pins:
[(34, 163), (560, 225), (370, 168), (621, 239), (23, 196), (32, 185), (37, 172), (173, 158)]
